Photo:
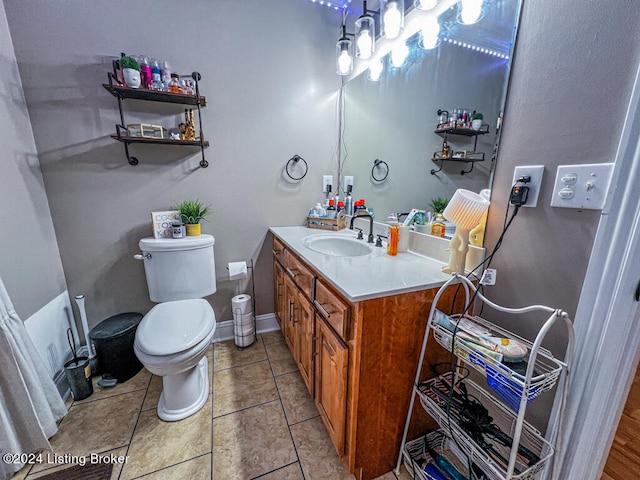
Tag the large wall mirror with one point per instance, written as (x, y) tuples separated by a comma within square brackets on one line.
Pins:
[(394, 119)]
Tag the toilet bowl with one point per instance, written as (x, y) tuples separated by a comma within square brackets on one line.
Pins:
[(172, 341)]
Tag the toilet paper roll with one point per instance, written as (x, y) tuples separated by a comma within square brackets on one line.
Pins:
[(242, 319), (237, 270), (245, 341), (241, 304)]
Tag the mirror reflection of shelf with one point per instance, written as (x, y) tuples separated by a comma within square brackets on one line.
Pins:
[(445, 128)]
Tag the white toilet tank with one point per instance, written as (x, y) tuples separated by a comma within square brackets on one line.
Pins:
[(179, 268)]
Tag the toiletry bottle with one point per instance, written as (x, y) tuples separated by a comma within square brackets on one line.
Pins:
[(348, 203), (392, 245), (165, 73), (145, 72), (156, 76), (174, 84), (340, 206), (331, 209)]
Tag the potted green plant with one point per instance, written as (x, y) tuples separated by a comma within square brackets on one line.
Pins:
[(192, 212), (476, 121), (438, 205), (130, 71)]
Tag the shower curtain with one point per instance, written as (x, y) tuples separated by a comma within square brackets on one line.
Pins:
[(30, 404)]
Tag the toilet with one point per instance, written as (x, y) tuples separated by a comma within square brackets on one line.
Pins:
[(172, 339)]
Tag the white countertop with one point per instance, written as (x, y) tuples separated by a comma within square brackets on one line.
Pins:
[(368, 276)]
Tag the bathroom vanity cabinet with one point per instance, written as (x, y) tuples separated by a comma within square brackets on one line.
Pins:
[(357, 358)]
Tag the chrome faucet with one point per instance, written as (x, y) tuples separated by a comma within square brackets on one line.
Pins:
[(368, 215)]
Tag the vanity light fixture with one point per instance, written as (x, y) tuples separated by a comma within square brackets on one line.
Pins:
[(392, 12), (429, 32), (399, 54), (375, 70), (470, 11), (365, 33), (465, 210), (344, 53), (425, 4)]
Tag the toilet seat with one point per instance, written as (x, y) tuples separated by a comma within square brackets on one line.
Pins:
[(172, 327)]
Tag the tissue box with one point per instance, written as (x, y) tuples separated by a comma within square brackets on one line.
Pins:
[(145, 130), (162, 223)]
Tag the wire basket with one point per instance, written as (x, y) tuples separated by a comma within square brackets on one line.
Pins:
[(531, 439), (416, 456), (507, 383)]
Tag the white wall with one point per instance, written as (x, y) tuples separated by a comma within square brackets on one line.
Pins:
[(29, 259), (267, 72)]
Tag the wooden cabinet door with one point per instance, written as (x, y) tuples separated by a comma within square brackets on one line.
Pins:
[(278, 292), (306, 316), (331, 382), (291, 305)]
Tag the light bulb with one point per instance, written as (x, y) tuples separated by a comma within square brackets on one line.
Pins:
[(364, 44), (399, 54), (470, 11), (345, 63), (426, 4), (392, 20), (429, 32), (375, 70)]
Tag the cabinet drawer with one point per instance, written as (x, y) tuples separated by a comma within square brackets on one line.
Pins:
[(278, 250), (333, 309), (301, 275)]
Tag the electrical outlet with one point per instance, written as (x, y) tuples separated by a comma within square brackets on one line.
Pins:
[(348, 180), (535, 172), (582, 186), (327, 183)]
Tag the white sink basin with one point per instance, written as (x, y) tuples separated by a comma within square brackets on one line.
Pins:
[(337, 246)]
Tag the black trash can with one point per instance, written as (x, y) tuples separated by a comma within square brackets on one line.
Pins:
[(113, 340)]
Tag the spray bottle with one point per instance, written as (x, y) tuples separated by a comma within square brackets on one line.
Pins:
[(348, 202)]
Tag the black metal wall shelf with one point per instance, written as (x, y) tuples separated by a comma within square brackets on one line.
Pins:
[(122, 92), (469, 157)]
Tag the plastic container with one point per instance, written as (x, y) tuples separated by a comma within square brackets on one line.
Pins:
[(78, 373), (113, 339)]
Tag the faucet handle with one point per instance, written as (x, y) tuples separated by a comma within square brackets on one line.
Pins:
[(360, 236), (379, 240)]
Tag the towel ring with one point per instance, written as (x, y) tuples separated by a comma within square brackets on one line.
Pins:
[(376, 163), (294, 160)]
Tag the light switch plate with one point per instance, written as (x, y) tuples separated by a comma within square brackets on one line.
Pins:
[(582, 186)]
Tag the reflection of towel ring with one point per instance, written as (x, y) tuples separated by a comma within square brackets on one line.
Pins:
[(294, 160), (376, 163)]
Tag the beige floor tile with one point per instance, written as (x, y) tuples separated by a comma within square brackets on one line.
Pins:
[(157, 444), (290, 472), (96, 427), (272, 337), (153, 393), (297, 402), (196, 469), (280, 358), (318, 457), (140, 381), (242, 387), (119, 454), (404, 475), (227, 355), (251, 442)]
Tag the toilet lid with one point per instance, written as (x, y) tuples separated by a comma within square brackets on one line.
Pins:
[(172, 327)]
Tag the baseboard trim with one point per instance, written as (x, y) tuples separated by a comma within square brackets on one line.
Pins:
[(264, 323)]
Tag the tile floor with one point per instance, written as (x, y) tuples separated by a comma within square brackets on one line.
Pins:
[(259, 422)]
